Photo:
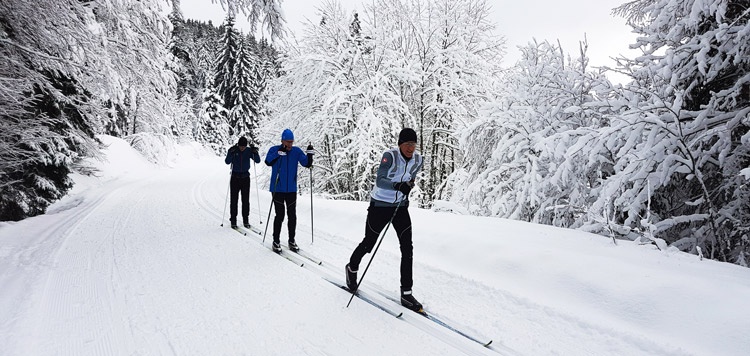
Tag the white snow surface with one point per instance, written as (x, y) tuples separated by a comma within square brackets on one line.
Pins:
[(135, 261)]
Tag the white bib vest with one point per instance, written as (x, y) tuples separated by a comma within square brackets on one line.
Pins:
[(400, 170)]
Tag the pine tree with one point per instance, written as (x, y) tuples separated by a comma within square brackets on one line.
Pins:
[(201, 42), (184, 122), (224, 67), (213, 129), (267, 70), (38, 173), (183, 67), (244, 114)]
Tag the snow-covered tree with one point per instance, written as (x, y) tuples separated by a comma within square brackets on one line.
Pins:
[(267, 70), (184, 121), (64, 69), (349, 116), (40, 146), (202, 42), (458, 56), (184, 67), (225, 63), (518, 158), (138, 61), (266, 12), (212, 129), (359, 80), (244, 114), (683, 139)]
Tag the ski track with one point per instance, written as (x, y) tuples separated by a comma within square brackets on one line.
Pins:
[(501, 317), (441, 335), (71, 262)]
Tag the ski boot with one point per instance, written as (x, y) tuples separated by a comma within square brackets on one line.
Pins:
[(351, 279), (408, 300)]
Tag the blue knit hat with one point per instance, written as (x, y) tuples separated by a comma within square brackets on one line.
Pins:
[(287, 135)]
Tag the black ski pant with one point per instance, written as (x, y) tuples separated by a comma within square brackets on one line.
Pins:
[(239, 185), (279, 200), (377, 219)]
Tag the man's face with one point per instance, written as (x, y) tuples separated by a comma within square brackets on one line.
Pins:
[(242, 148), (287, 144), (408, 148)]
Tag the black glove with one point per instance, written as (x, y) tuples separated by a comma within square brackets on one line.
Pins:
[(254, 150), (310, 152), (403, 187), (233, 149)]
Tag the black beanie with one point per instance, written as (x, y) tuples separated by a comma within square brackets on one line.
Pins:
[(242, 142), (407, 135)]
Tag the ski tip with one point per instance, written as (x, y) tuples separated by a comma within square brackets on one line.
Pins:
[(399, 315), (488, 344), (320, 263)]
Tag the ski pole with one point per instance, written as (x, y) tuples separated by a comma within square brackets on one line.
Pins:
[(382, 237), (273, 196), (257, 194), (269, 218), (312, 221), (227, 198)]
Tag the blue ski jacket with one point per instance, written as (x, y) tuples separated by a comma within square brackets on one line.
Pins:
[(284, 168)]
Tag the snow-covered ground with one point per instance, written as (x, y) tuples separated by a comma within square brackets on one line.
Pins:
[(135, 262)]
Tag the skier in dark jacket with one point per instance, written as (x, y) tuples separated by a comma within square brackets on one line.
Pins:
[(239, 157), (389, 203), (284, 159)]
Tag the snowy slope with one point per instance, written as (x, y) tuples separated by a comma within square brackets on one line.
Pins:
[(136, 262)]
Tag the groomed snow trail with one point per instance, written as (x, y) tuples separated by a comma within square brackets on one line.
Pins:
[(138, 267)]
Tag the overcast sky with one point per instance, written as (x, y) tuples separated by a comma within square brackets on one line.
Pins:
[(519, 21)]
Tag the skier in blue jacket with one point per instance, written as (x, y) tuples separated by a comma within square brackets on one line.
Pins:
[(239, 157), (284, 159)]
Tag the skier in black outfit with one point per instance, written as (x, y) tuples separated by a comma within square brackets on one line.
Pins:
[(284, 159), (239, 157), (390, 200)]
